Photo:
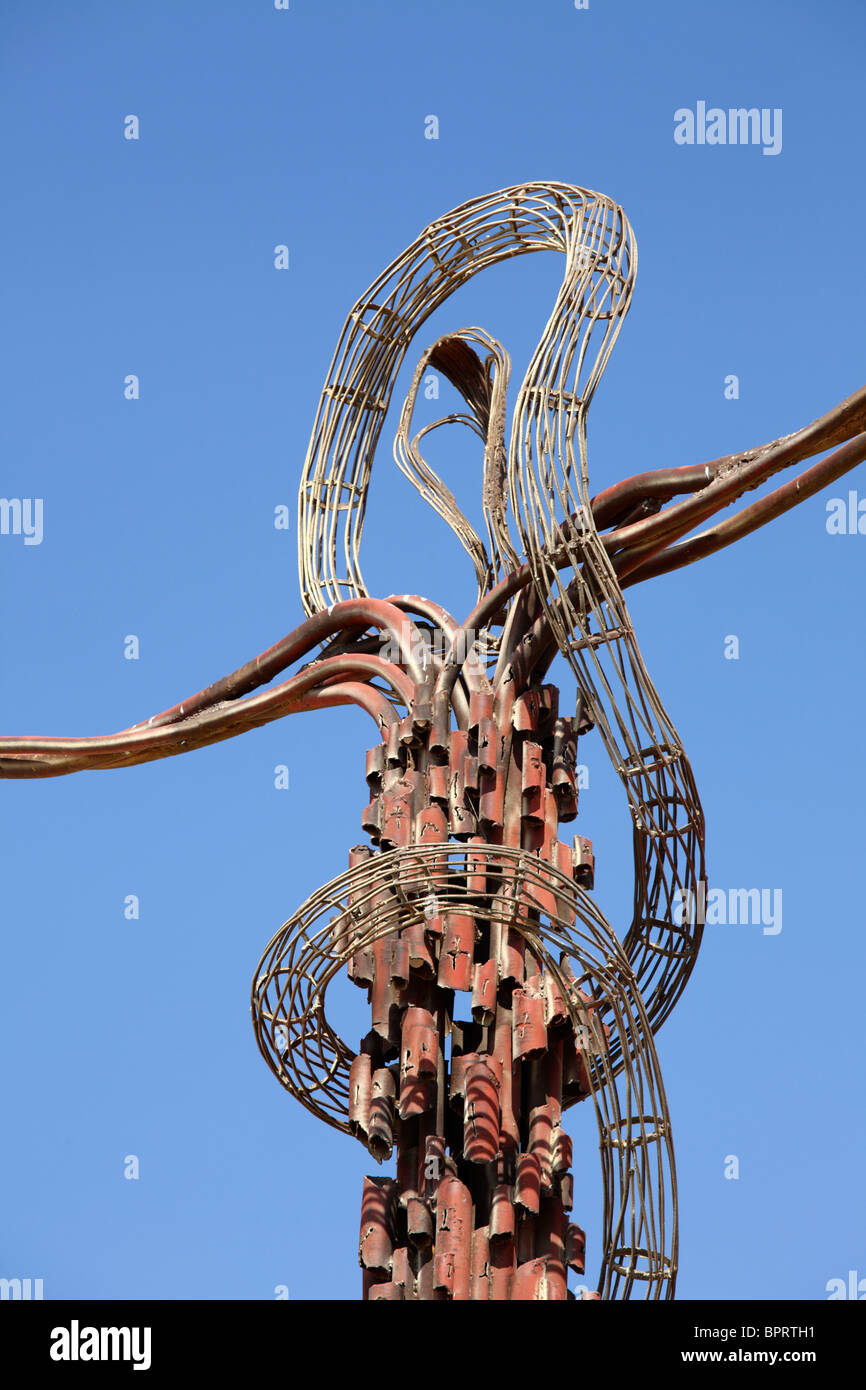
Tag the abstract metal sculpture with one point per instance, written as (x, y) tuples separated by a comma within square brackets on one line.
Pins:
[(499, 994)]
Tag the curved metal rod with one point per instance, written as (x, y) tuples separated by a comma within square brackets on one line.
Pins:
[(53, 757), (385, 895), (796, 490), (589, 227), (355, 613), (473, 675), (843, 422), (483, 385), (729, 478)]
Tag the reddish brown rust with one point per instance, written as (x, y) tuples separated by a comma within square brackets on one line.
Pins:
[(474, 1106), (453, 1238), (377, 1225), (479, 1208)]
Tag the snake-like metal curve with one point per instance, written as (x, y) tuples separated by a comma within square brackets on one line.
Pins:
[(548, 484), (480, 758), (387, 895)]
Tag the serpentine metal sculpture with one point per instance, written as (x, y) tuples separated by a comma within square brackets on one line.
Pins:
[(499, 994)]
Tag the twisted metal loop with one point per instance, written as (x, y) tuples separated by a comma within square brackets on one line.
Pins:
[(548, 485), (594, 235), (312, 1061)]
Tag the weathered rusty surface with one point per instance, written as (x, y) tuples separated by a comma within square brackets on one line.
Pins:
[(360, 1093), (453, 1251), (464, 915), (480, 1038), (380, 1123), (378, 1230), (481, 1210)]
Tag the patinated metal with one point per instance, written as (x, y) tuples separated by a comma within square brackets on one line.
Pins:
[(499, 995)]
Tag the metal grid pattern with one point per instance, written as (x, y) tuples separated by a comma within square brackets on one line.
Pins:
[(474, 773), (578, 968)]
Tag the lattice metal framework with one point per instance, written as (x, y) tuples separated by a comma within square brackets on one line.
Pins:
[(500, 996)]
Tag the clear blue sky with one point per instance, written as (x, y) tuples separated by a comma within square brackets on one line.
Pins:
[(155, 257)]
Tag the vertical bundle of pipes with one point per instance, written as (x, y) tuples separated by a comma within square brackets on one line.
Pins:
[(473, 1053)]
